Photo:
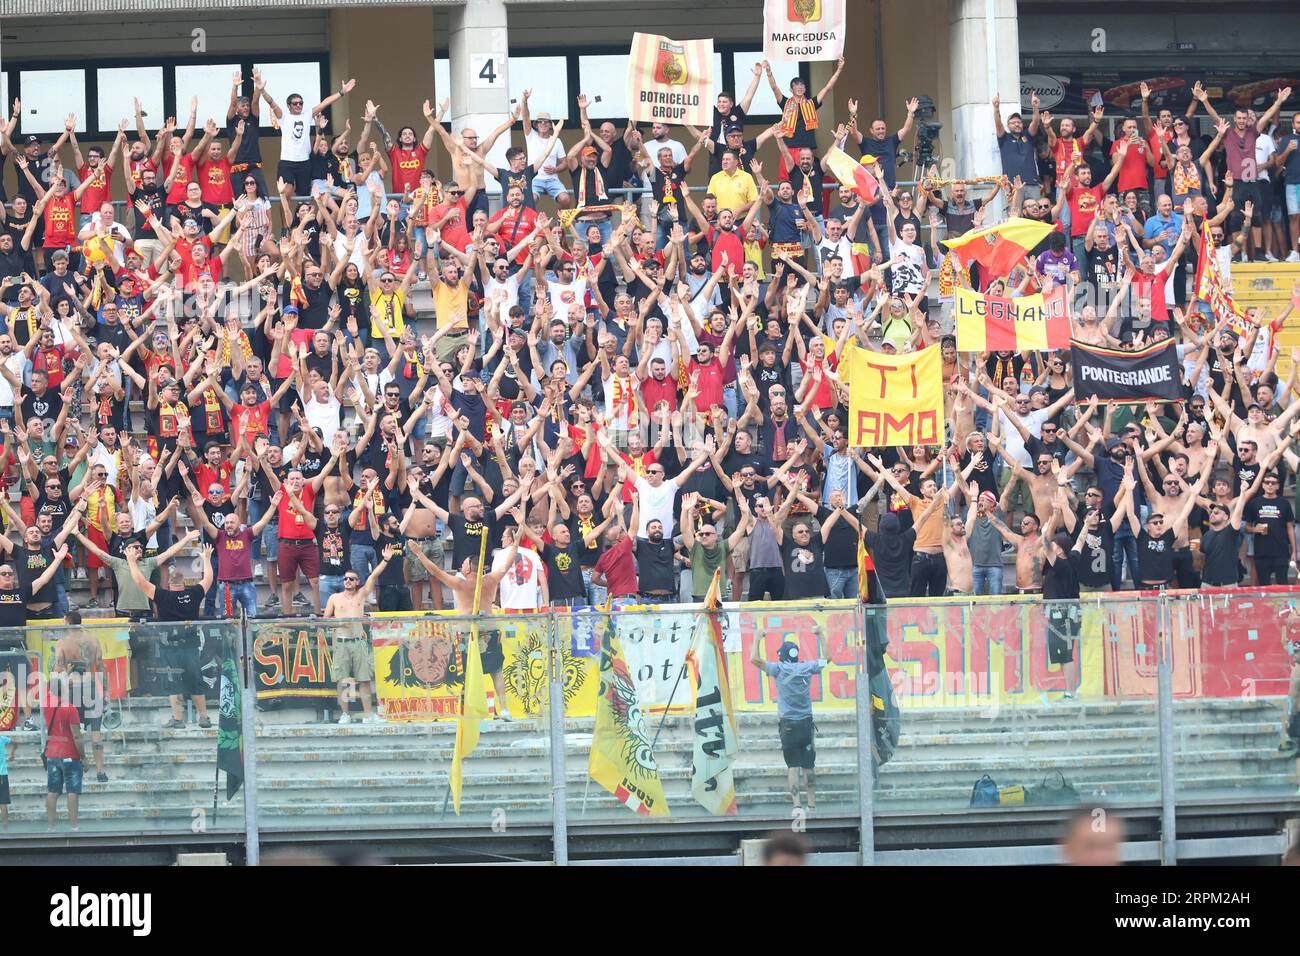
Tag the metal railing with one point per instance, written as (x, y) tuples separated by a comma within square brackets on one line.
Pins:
[(994, 705)]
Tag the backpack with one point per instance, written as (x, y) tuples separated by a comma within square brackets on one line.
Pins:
[(984, 793)]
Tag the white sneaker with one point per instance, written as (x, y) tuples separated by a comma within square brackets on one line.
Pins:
[(1269, 257), (259, 572), (345, 718), (1293, 256)]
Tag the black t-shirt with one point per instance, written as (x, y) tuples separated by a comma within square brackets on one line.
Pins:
[(841, 548), (523, 179), (216, 514), (654, 565), (467, 538), (46, 407), (30, 565), (250, 148), (805, 572), (1098, 549), (981, 474), (1275, 514), (393, 575), (669, 183), (335, 546), (1061, 578), (1155, 557), (13, 606), (1222, 557), (183, 605), (587, 554), (564, 572)]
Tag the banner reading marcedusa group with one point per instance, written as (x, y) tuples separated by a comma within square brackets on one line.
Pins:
[(1151, 374), (796, 30), (670, 81)]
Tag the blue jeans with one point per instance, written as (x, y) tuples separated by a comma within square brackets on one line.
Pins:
[(364, 559), (987, 579), (60, 606), (256, 508), (843, 582), (606, 227), (1125, 550), (330, 584), (596, 594), (242, 594), (210, 599), (527, 285)]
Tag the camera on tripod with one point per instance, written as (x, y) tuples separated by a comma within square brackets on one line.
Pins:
[(927, 130)]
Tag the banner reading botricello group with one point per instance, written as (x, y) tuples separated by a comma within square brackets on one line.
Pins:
[(803, 29), (670, 81)]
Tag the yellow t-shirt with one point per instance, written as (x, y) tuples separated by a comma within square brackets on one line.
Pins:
[(733, 192), (389, 306), (450, 304)]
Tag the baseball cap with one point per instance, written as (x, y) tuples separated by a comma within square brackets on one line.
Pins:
[(34, 139), (589, 151), (732, 128), (289, 308), (789, 652)]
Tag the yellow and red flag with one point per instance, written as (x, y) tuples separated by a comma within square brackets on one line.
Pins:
[(998, 248), (1032, 322), (852, 175), (622, 754), (670, 81)]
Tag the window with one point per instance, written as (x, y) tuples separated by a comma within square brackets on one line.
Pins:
[(441, 82), (118, 88), (49, 96), (283, 79), (604, 77), (210, 82), (764, 103), (548, 78)]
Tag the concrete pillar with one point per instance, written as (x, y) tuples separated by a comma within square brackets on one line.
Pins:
[(983, 62), (477, 57)]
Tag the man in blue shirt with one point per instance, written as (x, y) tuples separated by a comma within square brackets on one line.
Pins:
[(1016, 146), (1288, 157), (1163, 228), (794, 711)]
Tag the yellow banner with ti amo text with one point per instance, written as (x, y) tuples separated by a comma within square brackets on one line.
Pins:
[(895, 399)]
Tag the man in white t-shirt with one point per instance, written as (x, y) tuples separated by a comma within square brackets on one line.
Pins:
[(659, 140), (1264, 150), (568, 294), (322, 409), (547, 162), (295, 134), (523, 586), (655, 493)]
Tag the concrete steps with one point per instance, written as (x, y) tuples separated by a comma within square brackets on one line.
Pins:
[(324, 775)]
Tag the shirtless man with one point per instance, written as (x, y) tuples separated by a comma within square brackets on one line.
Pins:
[(420, 523), (79, 657), (1256, 428), (466, 172), (354, 667), (1042, 482), (956, 549), (1171, 502), (1029, 553), (462, 587), (338, 487)]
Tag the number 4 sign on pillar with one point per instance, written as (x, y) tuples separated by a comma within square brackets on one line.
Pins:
[(487, 71)]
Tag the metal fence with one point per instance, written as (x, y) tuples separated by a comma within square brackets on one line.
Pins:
[(996, 705)]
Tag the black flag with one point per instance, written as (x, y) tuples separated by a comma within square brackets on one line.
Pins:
[(230, 722)]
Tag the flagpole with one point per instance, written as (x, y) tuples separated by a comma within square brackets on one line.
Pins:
[(717, 574)]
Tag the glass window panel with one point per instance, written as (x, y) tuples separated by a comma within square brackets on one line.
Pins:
[(441, 80), (119, 87), (210, 82), (548, 78), (605, 77), (49, 96), (282, 79), (764, 103)]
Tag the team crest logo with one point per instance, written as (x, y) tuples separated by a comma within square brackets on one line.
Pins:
[(670, 65), (804, 11)]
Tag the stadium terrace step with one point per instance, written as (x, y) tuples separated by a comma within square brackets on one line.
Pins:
[(313, 774)]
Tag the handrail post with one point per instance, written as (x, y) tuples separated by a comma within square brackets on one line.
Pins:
[(1165, 728), (866, 765), (559, 786), (252, 838)]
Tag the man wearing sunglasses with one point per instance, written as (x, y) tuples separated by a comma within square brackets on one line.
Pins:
[(352, 661)]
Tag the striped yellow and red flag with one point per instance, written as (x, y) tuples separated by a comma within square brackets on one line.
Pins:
[(670, 81), (852, 175), (865, 567), (998, 248), (1032, 322)]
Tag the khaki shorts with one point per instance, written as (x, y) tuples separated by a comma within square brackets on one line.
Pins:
[(447, 346), (740, 556), (431, 548), (351, 659)]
